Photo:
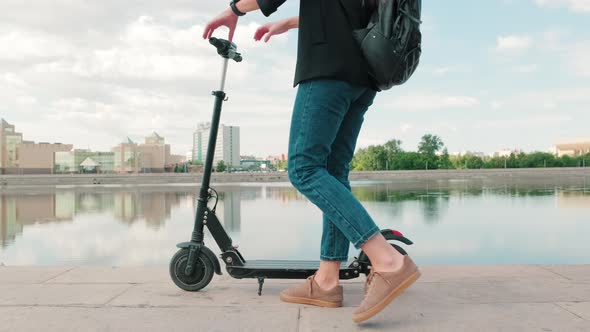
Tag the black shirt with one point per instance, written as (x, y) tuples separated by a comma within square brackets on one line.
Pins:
[(326, 48)]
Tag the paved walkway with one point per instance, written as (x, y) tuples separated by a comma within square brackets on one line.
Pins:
[(446, 298)]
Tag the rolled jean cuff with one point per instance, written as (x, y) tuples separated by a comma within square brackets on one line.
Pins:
[(368, 235), (333, 259)]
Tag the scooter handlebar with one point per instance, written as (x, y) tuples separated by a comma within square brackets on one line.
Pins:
[(226, 49)]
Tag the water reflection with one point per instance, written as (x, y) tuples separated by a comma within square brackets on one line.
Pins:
[(20, 210), (141, 225)]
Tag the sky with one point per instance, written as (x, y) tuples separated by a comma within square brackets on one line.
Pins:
[(494, 74)]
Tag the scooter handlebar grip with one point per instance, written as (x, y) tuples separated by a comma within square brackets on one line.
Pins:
[(214, 41)]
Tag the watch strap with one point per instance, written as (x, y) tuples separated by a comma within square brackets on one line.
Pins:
[(235, 9)]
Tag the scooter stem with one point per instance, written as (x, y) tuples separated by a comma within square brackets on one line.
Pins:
[(227, 50), (223, 74)]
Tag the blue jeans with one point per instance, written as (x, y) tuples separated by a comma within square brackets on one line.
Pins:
[(325, 125)]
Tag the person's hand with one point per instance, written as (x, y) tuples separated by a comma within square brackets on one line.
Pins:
[(271, 29), (226, 18)]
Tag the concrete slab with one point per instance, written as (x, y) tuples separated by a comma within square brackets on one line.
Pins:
[(581, 309), (482, 292), (45, 294), (29, 275), (201, 319), (509, 291), (109, 275), (216, 294), (517, 317), (438, 273), (457, 298), (572, 272)]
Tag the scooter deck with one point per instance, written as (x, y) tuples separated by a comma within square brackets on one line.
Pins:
[(285, 264), (285, 269)]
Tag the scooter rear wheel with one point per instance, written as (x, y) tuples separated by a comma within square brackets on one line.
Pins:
[(201, 276), (364, 259)]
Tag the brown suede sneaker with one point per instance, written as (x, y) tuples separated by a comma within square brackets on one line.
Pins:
[(383, 287), (310, 292)]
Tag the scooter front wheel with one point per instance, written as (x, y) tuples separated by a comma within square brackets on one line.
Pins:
[(198, 279)]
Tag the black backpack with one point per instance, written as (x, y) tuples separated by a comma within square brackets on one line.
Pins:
[(391, 43)]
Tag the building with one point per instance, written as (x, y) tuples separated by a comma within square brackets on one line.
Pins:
[(153, 156), (25, 157), (9, 140), (189, 156), (255, 164), (38, 158), (126, 157), (573, 149), (176, 159), (155, 139), (227, 147), (84, 161)]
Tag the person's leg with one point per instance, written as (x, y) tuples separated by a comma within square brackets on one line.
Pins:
[(335, 245), (317, 117)]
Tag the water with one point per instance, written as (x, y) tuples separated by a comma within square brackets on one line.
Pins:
[(451, 222)]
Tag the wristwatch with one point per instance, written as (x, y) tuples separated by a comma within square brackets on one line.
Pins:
[(235, 9)]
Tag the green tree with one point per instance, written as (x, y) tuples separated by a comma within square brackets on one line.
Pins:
[(393, 146), (536, 159), (282, 164), (495, 162), (411, 161), (467, 161), (444, 162), (373, 158), (472, 161), (430, 145), (220, 167), (393, 150)]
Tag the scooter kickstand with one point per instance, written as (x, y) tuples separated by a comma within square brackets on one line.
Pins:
[(260, 284)]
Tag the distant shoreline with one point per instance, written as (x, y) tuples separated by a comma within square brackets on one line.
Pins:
[(533, 174)]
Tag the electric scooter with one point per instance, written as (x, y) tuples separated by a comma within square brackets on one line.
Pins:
[(193, 266)]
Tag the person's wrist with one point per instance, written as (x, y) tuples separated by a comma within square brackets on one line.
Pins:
[(233, 7), (230, 12)]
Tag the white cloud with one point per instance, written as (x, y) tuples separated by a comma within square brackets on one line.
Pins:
[(13, 79), (580, 6), (451, 69), (427, 101), (406, 127), (577, 59), (526, 122), (530, 68), (129, 78), (553, 38), (548, 99), (22, 45), (513, 44)]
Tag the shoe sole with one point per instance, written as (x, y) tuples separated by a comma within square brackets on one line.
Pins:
[(305, 300), (363, 316)]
